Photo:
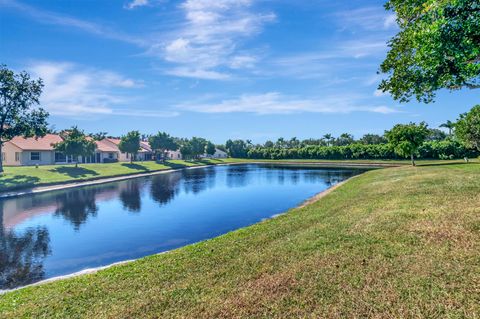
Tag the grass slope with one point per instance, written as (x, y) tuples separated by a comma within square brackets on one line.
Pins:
[(392, 243), (30, 176), (15, 178)]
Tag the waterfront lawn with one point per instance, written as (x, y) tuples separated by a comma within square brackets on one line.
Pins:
[(391, 243), (30, 176)]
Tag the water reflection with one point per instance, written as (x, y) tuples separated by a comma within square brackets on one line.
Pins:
[(77, 205), (100, 227), (22, 255)]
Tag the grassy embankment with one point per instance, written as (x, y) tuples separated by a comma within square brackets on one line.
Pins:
[(16, 178), (391, 243)]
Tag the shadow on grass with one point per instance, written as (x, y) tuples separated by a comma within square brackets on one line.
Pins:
[(448, 164), (135, 166), (17, 182), (74, 172)]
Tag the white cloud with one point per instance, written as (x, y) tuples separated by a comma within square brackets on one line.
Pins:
[(277, 103), (48, 17), (379, 93), (73, 90), (366, 18), (209, 39), (136, 3)]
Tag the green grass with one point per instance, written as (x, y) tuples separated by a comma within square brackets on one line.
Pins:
[(30, 176), (393, 243)]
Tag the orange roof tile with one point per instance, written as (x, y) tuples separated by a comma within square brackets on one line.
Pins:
[(37, 144)]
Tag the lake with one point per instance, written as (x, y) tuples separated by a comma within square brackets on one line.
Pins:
[(61, 232)]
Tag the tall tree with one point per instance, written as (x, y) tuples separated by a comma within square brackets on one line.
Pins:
[(237, 148), (197, 146), (161, 143), (467, 128), (448, 125), (438, 46), (371, 139), (407, 138), (75, 143), (130, 144), (19, 111), (328, 138), (210, 148)]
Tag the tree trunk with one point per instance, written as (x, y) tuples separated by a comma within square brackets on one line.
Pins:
[(413, 159), (1, 159)]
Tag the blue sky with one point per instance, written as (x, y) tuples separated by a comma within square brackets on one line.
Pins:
[(250, 69)]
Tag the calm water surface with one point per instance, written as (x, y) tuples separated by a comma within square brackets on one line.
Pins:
[(57, 233)]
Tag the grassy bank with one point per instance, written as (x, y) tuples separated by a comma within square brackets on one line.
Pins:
[(16, 178), (391, 243), (30, 176)]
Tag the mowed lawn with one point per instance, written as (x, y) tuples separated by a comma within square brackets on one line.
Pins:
[(31, 176), (15, 178), (392, 243)]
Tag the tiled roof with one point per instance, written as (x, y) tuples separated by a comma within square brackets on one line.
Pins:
[(104, 146), (37, 144)]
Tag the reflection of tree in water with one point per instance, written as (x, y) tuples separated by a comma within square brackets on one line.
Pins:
[(165, 187), (198, 180), (238, 176), (22, 255), (130, 194), (77, 205)]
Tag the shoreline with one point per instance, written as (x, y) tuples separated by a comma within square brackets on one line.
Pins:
[(105, 180), (94, 270)]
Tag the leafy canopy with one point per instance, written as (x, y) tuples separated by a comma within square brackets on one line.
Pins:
[(130, 143), (467, 128), (438, 46), (19, 95), (75, 143), (210, 148), (406, 139), (162, 142)]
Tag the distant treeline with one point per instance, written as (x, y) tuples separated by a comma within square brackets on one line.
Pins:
[(447, 149)]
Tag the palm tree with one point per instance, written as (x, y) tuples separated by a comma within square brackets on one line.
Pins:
[(449, 125), (328, 138)]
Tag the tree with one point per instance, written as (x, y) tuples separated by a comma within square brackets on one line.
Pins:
[(237, 148), (186, 149), (328, 138), (467, 128), (210, 149), (344, 139), (268, 144), (371, 139), (130, 144), (75, 143), (98, 136), (197, 146), (161, 143), (436, 135), (448, 125), (19, 114), (406, 139), (438, 46)]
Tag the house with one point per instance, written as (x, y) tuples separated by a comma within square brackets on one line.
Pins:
[(174, 155), (218, 154), (22, 151), (144, 154)]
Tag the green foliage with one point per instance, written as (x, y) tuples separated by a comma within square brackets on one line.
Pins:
[(75, 143), (19, 116), (238, 148), (162, 142), (407, 138), (467, 129), (438, 46), (373, 139), (210, 148), (130, 144), (193, 148)]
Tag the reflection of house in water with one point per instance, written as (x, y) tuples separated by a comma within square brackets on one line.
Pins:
[(22, 254)]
